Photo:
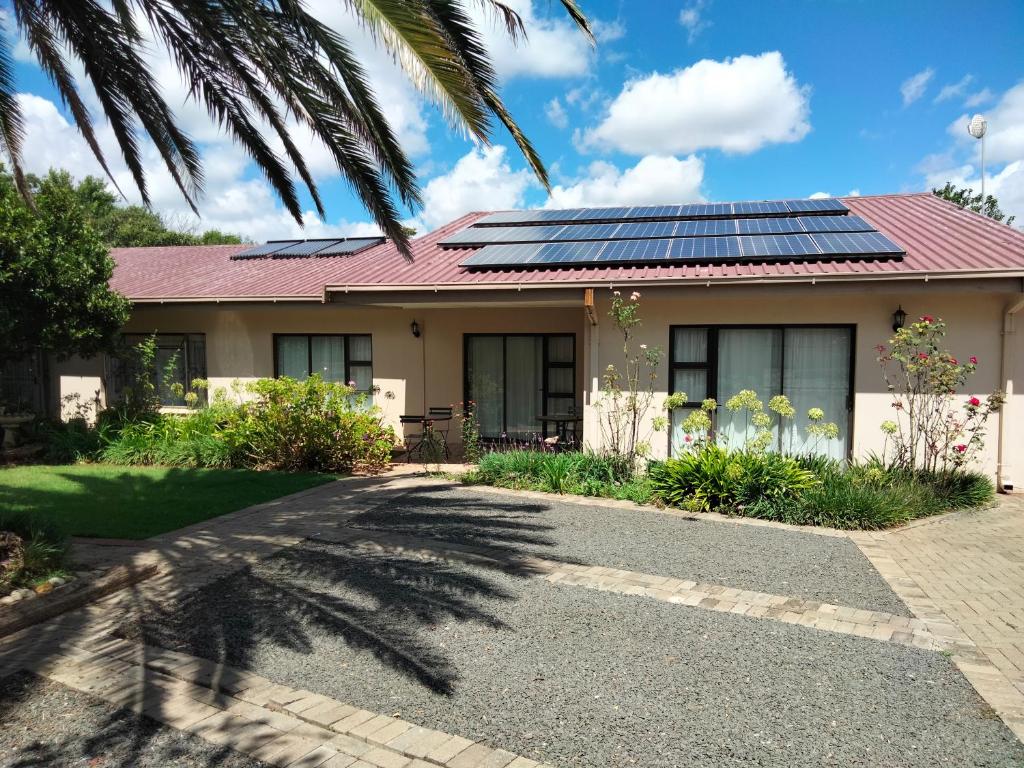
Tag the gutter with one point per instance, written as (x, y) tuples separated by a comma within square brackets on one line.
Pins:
[(655, 281), (226, 299), (1004, 458)]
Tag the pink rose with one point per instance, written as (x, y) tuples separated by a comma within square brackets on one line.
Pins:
[(927, 319), (960, 448), (952, 361), (974, 360), (922, 356), (688, 439), (975, 402)]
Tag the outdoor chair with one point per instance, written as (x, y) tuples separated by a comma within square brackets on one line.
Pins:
[(444, 416), (412, 441)]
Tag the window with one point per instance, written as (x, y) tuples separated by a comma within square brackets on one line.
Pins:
[(22, 383), (811, 365), (514, 378), (180, 360), (341, 358)]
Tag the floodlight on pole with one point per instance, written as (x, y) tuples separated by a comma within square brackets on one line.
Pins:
[(977, 128)]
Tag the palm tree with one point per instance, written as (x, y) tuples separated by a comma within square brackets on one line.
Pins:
[(253, 63)]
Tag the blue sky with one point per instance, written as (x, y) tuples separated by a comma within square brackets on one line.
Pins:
[(679, 101)]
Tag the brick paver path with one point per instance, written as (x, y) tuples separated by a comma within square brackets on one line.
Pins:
[(967, 568)]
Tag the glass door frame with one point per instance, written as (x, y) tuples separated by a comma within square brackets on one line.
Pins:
[(711, 365), (546, 365)]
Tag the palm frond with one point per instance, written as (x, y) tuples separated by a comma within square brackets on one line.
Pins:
[(12, 125)]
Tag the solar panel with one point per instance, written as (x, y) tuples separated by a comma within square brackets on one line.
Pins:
[(820, 205), (849, 223), (855, 243), (351, 245), (770, 226), (303, 248), (265, 250), (761, 208), (776, 246)]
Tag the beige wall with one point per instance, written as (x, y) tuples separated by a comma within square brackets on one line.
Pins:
[(974, 316), (429, 371)]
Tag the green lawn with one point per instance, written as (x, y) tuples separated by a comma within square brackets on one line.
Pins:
[(137, 502)]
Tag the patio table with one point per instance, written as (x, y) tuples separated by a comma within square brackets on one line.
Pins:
[(561, 422), (426, 422)]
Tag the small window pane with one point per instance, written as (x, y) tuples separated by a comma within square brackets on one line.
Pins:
[(359, 349), (690, 345), (560, 349), (693, 382), (560, 381), (293, 356), (329, 357), (170, 371), (362, 375), (561, 406)]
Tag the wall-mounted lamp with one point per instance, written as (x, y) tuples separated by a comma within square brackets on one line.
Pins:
[(899, 317), (415, 327)]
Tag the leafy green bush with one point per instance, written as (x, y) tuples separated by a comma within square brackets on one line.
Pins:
[(192, 440), (586, 474), (41, 552), (308, 425), (712, 478), (70, 441)]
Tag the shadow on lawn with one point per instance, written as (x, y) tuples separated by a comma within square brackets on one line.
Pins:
[(321, 591)]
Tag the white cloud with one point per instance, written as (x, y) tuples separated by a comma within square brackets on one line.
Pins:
[(1007, 186), (554, 46), (954, 90), (584, 96), (691, 17), (737, 105), (913, 87), (855, 192), (653, 180), (556, 113), (818, 195), (607, 31), (1004, 141), (983, 96), (481, 180)]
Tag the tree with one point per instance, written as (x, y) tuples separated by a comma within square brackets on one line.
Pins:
[(965, 198), (260, 62), (117, 225), (54, 273)]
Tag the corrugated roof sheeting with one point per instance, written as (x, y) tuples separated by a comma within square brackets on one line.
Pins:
[(938, 238)]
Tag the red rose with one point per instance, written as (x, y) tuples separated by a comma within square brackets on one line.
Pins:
[(688, 439), (975, 402), (974, 360), (922, 356), (927, 319), (960, 448)]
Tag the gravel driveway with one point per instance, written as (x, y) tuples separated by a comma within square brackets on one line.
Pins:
[(43, 723), (576, 677), (763, 559)]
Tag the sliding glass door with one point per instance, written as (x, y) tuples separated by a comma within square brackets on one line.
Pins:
[(811, 365), (515, 378)]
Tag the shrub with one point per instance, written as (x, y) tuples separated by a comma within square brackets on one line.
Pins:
[(71, 441), (308, 425), (712, 478), (30, 550), (193, 440), (585, 473)]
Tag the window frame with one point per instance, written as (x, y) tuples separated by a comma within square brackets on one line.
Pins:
[(546, 364), (711, 364), (187, 338), (349, 362)]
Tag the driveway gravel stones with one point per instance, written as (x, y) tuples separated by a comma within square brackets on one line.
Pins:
[(575, 677), (43, 723), (776, 561)]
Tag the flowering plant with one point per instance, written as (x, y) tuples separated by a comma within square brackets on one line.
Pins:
[(627, 393), (932, 429)]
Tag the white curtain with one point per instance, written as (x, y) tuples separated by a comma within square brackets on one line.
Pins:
[(817, 367), (359, 349), (329, 357), (689, 345), (747, 359), (486, 386), (293, 356), (523, 384)]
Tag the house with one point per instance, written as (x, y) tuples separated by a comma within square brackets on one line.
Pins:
[(511, 310)]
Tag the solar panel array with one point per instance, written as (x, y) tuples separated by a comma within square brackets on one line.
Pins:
[(699, 249), (760, 231), (666, 212), (644, 230), (287, 249)]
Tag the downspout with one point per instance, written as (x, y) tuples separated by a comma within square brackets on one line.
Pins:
[(590, 423), (1004, 477)]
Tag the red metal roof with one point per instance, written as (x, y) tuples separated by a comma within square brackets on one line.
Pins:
[(939, 238)]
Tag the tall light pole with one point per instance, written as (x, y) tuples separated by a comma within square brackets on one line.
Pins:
[(977, 128)]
